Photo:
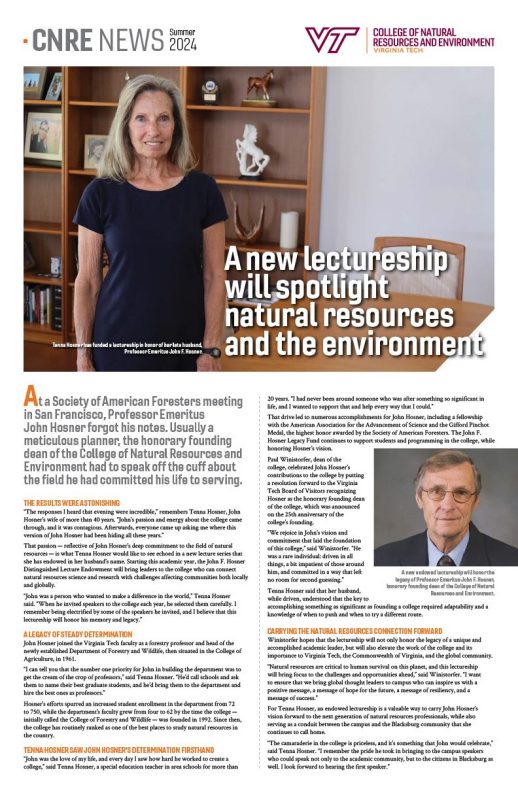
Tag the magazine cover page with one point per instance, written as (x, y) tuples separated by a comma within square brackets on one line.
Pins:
[(261, 465)]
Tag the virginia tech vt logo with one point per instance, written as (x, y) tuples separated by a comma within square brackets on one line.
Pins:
[(333, 38)]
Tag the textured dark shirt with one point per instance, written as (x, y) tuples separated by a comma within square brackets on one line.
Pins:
[(153, 292)]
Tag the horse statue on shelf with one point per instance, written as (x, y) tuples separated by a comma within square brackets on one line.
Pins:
[(260, 84), (252, 160)]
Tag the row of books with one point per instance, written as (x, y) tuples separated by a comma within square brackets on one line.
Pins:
[(43, 304)]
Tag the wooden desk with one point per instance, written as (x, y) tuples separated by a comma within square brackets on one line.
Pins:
[(467, 318)]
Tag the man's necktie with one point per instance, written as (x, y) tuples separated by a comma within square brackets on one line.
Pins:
[(446, 561)]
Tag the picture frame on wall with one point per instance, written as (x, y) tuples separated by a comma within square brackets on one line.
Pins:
[(55, 88), (94, 149), (44, 138), (34, 82)]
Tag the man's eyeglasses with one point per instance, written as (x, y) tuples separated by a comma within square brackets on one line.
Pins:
[(459, 495)]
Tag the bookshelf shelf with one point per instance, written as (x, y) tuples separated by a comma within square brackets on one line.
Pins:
[(247, 109), (40, 334), (49, 228), (40, 278), (42, 170), (277, 183), (91, 104), (42, 103)]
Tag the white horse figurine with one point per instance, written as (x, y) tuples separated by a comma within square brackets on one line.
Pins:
[(252, 160)]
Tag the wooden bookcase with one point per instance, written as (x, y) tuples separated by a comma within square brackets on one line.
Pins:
[(291, 133), (43, 219)]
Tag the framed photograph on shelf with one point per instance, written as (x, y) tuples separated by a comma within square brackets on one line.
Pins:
[(34, 82), (43, 138), (56, 85), (94, 149)]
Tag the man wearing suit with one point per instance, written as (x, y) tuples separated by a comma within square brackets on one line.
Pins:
[(447, 490)]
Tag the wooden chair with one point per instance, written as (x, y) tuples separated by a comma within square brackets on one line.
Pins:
[(448, 284)]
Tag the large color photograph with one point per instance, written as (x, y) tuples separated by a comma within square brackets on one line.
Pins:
[(463, 502), (147, 194)]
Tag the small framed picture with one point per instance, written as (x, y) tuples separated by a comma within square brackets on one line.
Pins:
[(43, 137), (94, 149), (56, 85), (34, 82)]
